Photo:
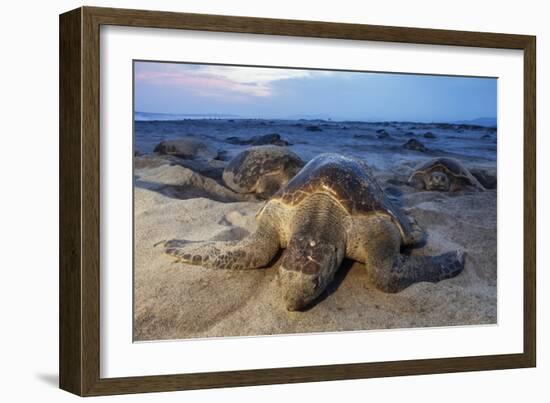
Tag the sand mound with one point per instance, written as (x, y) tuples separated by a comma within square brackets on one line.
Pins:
[(211, 169)]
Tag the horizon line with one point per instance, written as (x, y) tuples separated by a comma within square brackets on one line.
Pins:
[(223, 116)]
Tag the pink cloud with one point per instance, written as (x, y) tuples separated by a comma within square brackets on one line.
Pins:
[(204, 84)]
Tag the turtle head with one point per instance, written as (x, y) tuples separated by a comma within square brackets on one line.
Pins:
[(307, 266), (438, 181)]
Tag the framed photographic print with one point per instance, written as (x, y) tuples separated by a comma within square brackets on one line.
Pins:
[(249, 201)]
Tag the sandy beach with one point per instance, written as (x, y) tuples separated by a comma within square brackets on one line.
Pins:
[(178, 198)]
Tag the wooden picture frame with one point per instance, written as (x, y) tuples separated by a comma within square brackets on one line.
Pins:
[(79, 348)]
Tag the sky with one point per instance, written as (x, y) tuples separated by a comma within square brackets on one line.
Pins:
[(272, 93)]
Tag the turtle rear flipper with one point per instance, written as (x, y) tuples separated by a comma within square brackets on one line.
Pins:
[(417, 234), (411, 232)]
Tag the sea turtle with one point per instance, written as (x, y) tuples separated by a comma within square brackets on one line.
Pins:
[(260, 140), (332, 209), (262, 170), (414, 144), (187, 148), (445, 174)]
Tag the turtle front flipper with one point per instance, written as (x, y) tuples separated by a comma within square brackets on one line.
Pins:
[(252, 252), (407, 270), (376, 242), (476, 184)]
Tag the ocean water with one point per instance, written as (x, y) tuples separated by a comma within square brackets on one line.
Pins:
[(379, 143)]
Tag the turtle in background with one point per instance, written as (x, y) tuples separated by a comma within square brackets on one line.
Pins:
[(415, 145), (188, 147), (333, 208), (261, 170), (444, 174)]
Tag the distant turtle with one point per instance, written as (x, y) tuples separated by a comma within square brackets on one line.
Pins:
[(187, 148), (332, 209), (262, 170), (313, 129), (260, 140), (444, 174), (414, 144)]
